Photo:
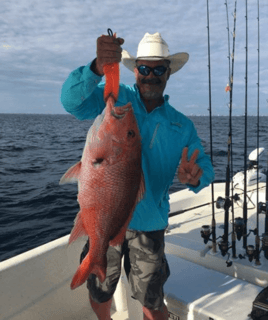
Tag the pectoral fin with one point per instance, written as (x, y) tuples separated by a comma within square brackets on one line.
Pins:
[(72, 175), (78, 229)]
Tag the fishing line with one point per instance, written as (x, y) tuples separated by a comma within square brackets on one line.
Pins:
[(213, 223), (245, 138), (110, 32)]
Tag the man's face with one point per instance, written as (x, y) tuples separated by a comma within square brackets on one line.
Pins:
[(151, 86)]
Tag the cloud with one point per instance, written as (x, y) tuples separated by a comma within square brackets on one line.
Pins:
[(43, 41)]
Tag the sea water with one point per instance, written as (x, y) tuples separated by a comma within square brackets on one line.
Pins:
[(36, 150)]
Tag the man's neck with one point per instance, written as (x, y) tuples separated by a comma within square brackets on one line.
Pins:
[(151, 104)]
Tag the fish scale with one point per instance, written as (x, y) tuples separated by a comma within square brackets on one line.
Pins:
[(110, 182)]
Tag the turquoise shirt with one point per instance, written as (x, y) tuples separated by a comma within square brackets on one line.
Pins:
[(164, 131)]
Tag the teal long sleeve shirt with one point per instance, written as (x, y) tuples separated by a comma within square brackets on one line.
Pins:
[(165, 133)]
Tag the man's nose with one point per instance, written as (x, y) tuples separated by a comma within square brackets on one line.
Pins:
[(151, 75)]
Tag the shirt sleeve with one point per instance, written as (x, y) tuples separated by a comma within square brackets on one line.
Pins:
[(203, 161), (82, 93)]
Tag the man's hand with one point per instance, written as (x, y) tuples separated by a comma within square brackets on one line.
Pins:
[(189, 172), (108, 51)]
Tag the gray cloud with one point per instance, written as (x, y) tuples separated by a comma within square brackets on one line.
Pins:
[(43, 41)]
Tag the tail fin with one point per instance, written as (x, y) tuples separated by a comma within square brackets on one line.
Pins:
[(87, 267)]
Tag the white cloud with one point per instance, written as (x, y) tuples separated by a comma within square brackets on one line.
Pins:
[(43, 41)]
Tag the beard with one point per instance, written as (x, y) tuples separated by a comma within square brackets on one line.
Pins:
[(151, 94), (151, 89)]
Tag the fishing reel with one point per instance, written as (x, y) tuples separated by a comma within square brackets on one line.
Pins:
[(223, 203), (224, 247), (263, 207), (265, 244), (205, 233), (250, 253), (253, 253), (239, 225)]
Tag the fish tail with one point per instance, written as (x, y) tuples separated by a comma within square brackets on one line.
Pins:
[(87, 267), (111, 71)]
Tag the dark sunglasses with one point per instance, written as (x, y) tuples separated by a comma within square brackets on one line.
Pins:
[(157, 71)]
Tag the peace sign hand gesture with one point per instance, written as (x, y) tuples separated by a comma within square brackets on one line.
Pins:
[(189, 172)]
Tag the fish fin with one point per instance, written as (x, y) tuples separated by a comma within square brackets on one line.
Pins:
[(119, 238), (78, 229), (87, 267), (141, 189), (72, 174)]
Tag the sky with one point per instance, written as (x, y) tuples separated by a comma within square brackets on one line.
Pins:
[(42, 42)]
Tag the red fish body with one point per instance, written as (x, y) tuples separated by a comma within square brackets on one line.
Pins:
[(110, 183)]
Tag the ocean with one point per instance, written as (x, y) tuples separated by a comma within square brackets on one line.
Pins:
[(36, 150)]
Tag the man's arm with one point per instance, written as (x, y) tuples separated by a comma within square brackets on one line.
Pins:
[(82, 92)]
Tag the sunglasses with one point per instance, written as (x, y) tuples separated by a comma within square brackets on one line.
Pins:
[(157, 71)]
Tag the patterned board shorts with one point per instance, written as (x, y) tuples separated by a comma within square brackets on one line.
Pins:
[(145, 265)]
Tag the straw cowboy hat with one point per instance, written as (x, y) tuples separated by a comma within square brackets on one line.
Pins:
[(154, 47)]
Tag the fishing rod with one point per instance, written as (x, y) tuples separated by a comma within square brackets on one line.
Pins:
[(232, 203), (245, 146), (213, 222), (251, 252), (228, 203), (263, 208), (219, 204), (257, 238)]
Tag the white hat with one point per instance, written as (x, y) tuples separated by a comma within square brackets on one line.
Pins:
[(154, 47)]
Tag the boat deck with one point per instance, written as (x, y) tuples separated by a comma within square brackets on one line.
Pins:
[(36, 284)]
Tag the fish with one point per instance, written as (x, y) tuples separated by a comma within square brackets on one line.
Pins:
[(110, 182)]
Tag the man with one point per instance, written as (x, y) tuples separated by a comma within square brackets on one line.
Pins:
[(169, 141)]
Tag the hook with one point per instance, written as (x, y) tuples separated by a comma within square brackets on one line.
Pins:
[(110, 32)]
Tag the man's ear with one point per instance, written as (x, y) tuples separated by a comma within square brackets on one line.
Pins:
[(168, 73)]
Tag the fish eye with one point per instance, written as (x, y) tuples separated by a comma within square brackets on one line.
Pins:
[(97, 162), (131, 134)]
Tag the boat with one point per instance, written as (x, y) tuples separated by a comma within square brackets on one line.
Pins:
[(203, 284), (223, 278)]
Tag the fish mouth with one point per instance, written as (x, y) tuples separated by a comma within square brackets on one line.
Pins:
[(119, 113)]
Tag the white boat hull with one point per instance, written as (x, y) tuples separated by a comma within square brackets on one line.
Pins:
[(36, 284)]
